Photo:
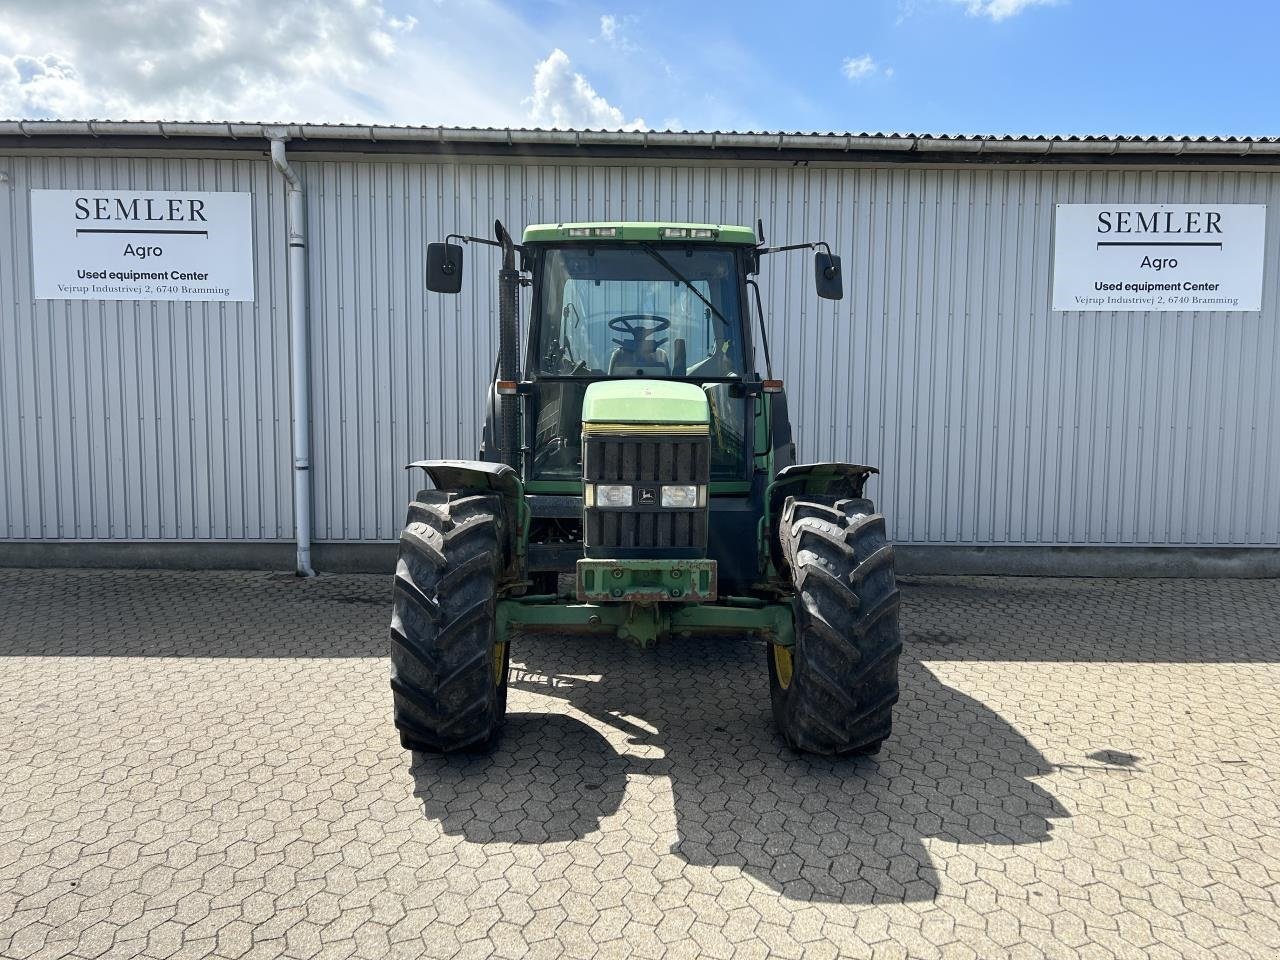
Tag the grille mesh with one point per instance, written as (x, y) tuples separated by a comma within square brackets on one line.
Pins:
[(619, 460), (630, 530), (651, 460)]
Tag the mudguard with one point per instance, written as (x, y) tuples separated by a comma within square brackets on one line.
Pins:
[(831, 479), (479, 476), (471, 476)]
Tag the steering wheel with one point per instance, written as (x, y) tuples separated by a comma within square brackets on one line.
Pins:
[(638, 333)]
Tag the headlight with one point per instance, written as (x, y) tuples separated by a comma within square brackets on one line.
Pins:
[(613, 495), (680, 497)]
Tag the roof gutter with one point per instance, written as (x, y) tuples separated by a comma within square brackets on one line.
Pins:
[(299, 353), (562, 142)]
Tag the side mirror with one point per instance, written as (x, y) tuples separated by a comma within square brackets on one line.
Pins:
[(444, 267), (827, 276)]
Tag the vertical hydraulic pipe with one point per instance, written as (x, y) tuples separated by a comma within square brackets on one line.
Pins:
[(299, 357)]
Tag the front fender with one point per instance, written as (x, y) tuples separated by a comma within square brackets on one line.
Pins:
[(829, 479), (479, 476), (832, 479), (471, 476)]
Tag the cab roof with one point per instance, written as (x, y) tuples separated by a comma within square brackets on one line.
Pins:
[(657, 231)]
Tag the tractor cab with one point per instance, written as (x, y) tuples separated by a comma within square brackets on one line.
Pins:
[(642, 395), (632, 302)]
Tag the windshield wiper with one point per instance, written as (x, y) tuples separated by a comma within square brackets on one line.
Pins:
[(681, 277)]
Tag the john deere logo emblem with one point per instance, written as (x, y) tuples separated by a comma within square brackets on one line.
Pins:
[(648, 495)]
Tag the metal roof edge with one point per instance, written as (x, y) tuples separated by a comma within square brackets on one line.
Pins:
[(710, 141)]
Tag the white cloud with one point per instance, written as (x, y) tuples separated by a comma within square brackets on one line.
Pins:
[(613, 31), (49, 85), (562, 98), (856, 68), (222, 59), (1001, 9), (344, 61)]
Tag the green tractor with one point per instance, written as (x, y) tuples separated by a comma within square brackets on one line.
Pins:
[(637, 481)]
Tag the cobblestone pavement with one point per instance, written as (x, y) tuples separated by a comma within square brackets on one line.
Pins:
[(205, 766)]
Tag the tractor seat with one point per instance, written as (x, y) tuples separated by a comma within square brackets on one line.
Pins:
[(628, 362)]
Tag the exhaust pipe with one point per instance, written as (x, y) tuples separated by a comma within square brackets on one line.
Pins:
[(508, 345)]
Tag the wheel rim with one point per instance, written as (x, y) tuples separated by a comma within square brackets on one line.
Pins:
[(782, 666), (499, 661)]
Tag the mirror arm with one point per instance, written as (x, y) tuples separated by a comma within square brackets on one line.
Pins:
[(790, 246), (486, 241), (466, 239), (812, 245)]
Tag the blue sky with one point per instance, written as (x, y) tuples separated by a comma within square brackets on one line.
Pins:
[(970, 66), (1146, 66)]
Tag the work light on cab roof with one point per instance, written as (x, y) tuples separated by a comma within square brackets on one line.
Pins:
[(637, 231), (636, 478)]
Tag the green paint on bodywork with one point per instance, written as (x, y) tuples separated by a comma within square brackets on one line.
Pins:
[(631, 400), (647, 581), (641, 623), (568, 488), (634, 230)]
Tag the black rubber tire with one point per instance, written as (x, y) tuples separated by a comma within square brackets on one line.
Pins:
[(448, 673), (844, 666)]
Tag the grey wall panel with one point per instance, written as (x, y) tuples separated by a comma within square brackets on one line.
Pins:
[(147, 420), (994, 419)]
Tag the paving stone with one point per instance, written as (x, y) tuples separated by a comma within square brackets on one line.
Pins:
[(204, 765)]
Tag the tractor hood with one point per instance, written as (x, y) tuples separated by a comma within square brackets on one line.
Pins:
[(638, 401)]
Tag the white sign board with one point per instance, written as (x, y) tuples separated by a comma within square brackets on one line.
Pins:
[(158, 245), (1191, 257)]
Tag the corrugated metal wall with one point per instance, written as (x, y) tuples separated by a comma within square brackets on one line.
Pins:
[(143, 420), (995, 420)]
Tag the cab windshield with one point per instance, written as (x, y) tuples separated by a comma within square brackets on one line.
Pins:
[(640, 311), (637, 311)]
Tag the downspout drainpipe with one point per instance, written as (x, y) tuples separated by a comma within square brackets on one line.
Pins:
[(299, 357)]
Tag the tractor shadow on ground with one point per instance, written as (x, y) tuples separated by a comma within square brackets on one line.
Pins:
[(811, 828), (552, 778)]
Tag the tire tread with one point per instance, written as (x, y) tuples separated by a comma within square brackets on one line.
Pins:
[(444, 595), (844, 678)]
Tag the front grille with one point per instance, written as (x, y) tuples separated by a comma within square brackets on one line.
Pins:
[(646, 463), (648, 460), (629, 530)]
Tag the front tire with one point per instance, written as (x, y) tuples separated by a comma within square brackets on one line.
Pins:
[(448, 670), (834, 691)]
